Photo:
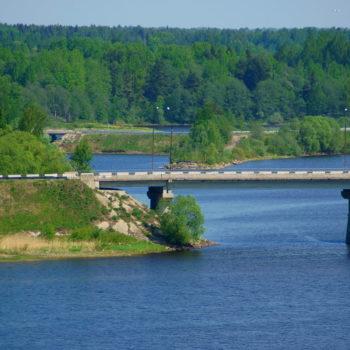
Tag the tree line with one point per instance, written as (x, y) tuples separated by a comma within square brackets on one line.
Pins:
[(140, 75), (211, 141)]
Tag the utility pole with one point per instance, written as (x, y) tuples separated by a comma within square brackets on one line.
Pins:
[(345, 129), (171, 141), (157, 108), (171, 147)]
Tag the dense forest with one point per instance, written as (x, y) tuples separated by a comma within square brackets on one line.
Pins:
[(138, 75), (210, 139)]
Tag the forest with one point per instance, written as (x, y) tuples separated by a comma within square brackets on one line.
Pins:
[(210, 139), (141, 75)]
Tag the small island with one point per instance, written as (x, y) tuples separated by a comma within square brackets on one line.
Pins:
[(55, 219), (65, 218)]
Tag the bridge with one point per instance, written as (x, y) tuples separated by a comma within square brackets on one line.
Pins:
[(159, 183)]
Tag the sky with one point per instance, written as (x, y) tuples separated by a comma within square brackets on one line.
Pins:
[(180, 13)]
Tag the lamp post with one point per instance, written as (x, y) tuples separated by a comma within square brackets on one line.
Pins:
[(345, 129), (345, 138), (171, 142), (153, 122), (153, 138)]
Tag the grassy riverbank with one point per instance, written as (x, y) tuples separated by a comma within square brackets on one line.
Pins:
[(57, 124), (126, 143), (23, 247), (66, 219)]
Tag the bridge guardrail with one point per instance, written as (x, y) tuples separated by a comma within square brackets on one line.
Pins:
[(106, 175)]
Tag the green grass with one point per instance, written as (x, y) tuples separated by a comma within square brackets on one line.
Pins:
[(46, 206), (120, 143), (59, 124), (139, 247), (67, 206)]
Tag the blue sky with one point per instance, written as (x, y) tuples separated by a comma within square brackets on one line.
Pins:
[(180, 13)]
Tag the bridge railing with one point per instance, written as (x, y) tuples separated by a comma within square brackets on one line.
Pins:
[(214, 172), (108, 174)]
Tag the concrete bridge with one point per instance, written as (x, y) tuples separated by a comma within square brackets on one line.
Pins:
[(160, 182)]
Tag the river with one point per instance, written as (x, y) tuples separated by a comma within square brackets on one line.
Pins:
[(280, 278)]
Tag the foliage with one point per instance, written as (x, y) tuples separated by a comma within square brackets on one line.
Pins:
[(47, 206), (82, 156), (33, 120), (112, 241), (124, 73), (129, 143), (182, 223), (48, 232), (208, 136), (320, 134), (312, 135), (23, 153)]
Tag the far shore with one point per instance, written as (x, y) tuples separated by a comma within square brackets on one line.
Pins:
[(221, 166)]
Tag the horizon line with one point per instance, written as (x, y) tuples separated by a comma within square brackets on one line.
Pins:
[(172, 27)]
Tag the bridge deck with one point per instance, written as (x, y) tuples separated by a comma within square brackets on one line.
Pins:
[(196, 176)]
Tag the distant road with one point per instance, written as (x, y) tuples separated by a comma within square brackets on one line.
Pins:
[(158, 130)]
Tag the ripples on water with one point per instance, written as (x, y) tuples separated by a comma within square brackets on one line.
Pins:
[(279, 280)]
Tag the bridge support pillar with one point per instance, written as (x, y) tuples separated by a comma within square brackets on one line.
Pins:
[(158, 193), (89, 179), (346, 195)]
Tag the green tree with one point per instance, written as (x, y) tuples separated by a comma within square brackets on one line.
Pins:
[(82, 156), (33, 120), (162, 80), (254, 69), (23, 153), (320, 134), (182, 223)]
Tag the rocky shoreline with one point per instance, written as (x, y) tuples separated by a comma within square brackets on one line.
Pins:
[(200, 166)]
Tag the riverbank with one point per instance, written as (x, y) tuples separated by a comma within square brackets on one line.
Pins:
[(143, 145), (122, 144), (43, 220), (25, 247), (222, 166)]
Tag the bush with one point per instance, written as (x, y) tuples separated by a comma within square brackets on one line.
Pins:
[(208, 136), (85, 234), (23, 153), (90, 233), (82, 156), (48, 232), (137, 213), (183, 222)]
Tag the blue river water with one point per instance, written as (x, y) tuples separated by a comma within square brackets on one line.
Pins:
[(280, 278)]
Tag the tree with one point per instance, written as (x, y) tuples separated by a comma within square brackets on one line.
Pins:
[(182, 223), (23, 153), (162, 80), (10, 100), (254, 69), (82, 156), (3, 123), (106, 74), (33, 120), (320, 134)]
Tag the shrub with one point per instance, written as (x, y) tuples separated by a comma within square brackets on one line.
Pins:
[(23, 153), (48, 232), (183, 222), (82, 156), (85, 234), (137, 213)]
